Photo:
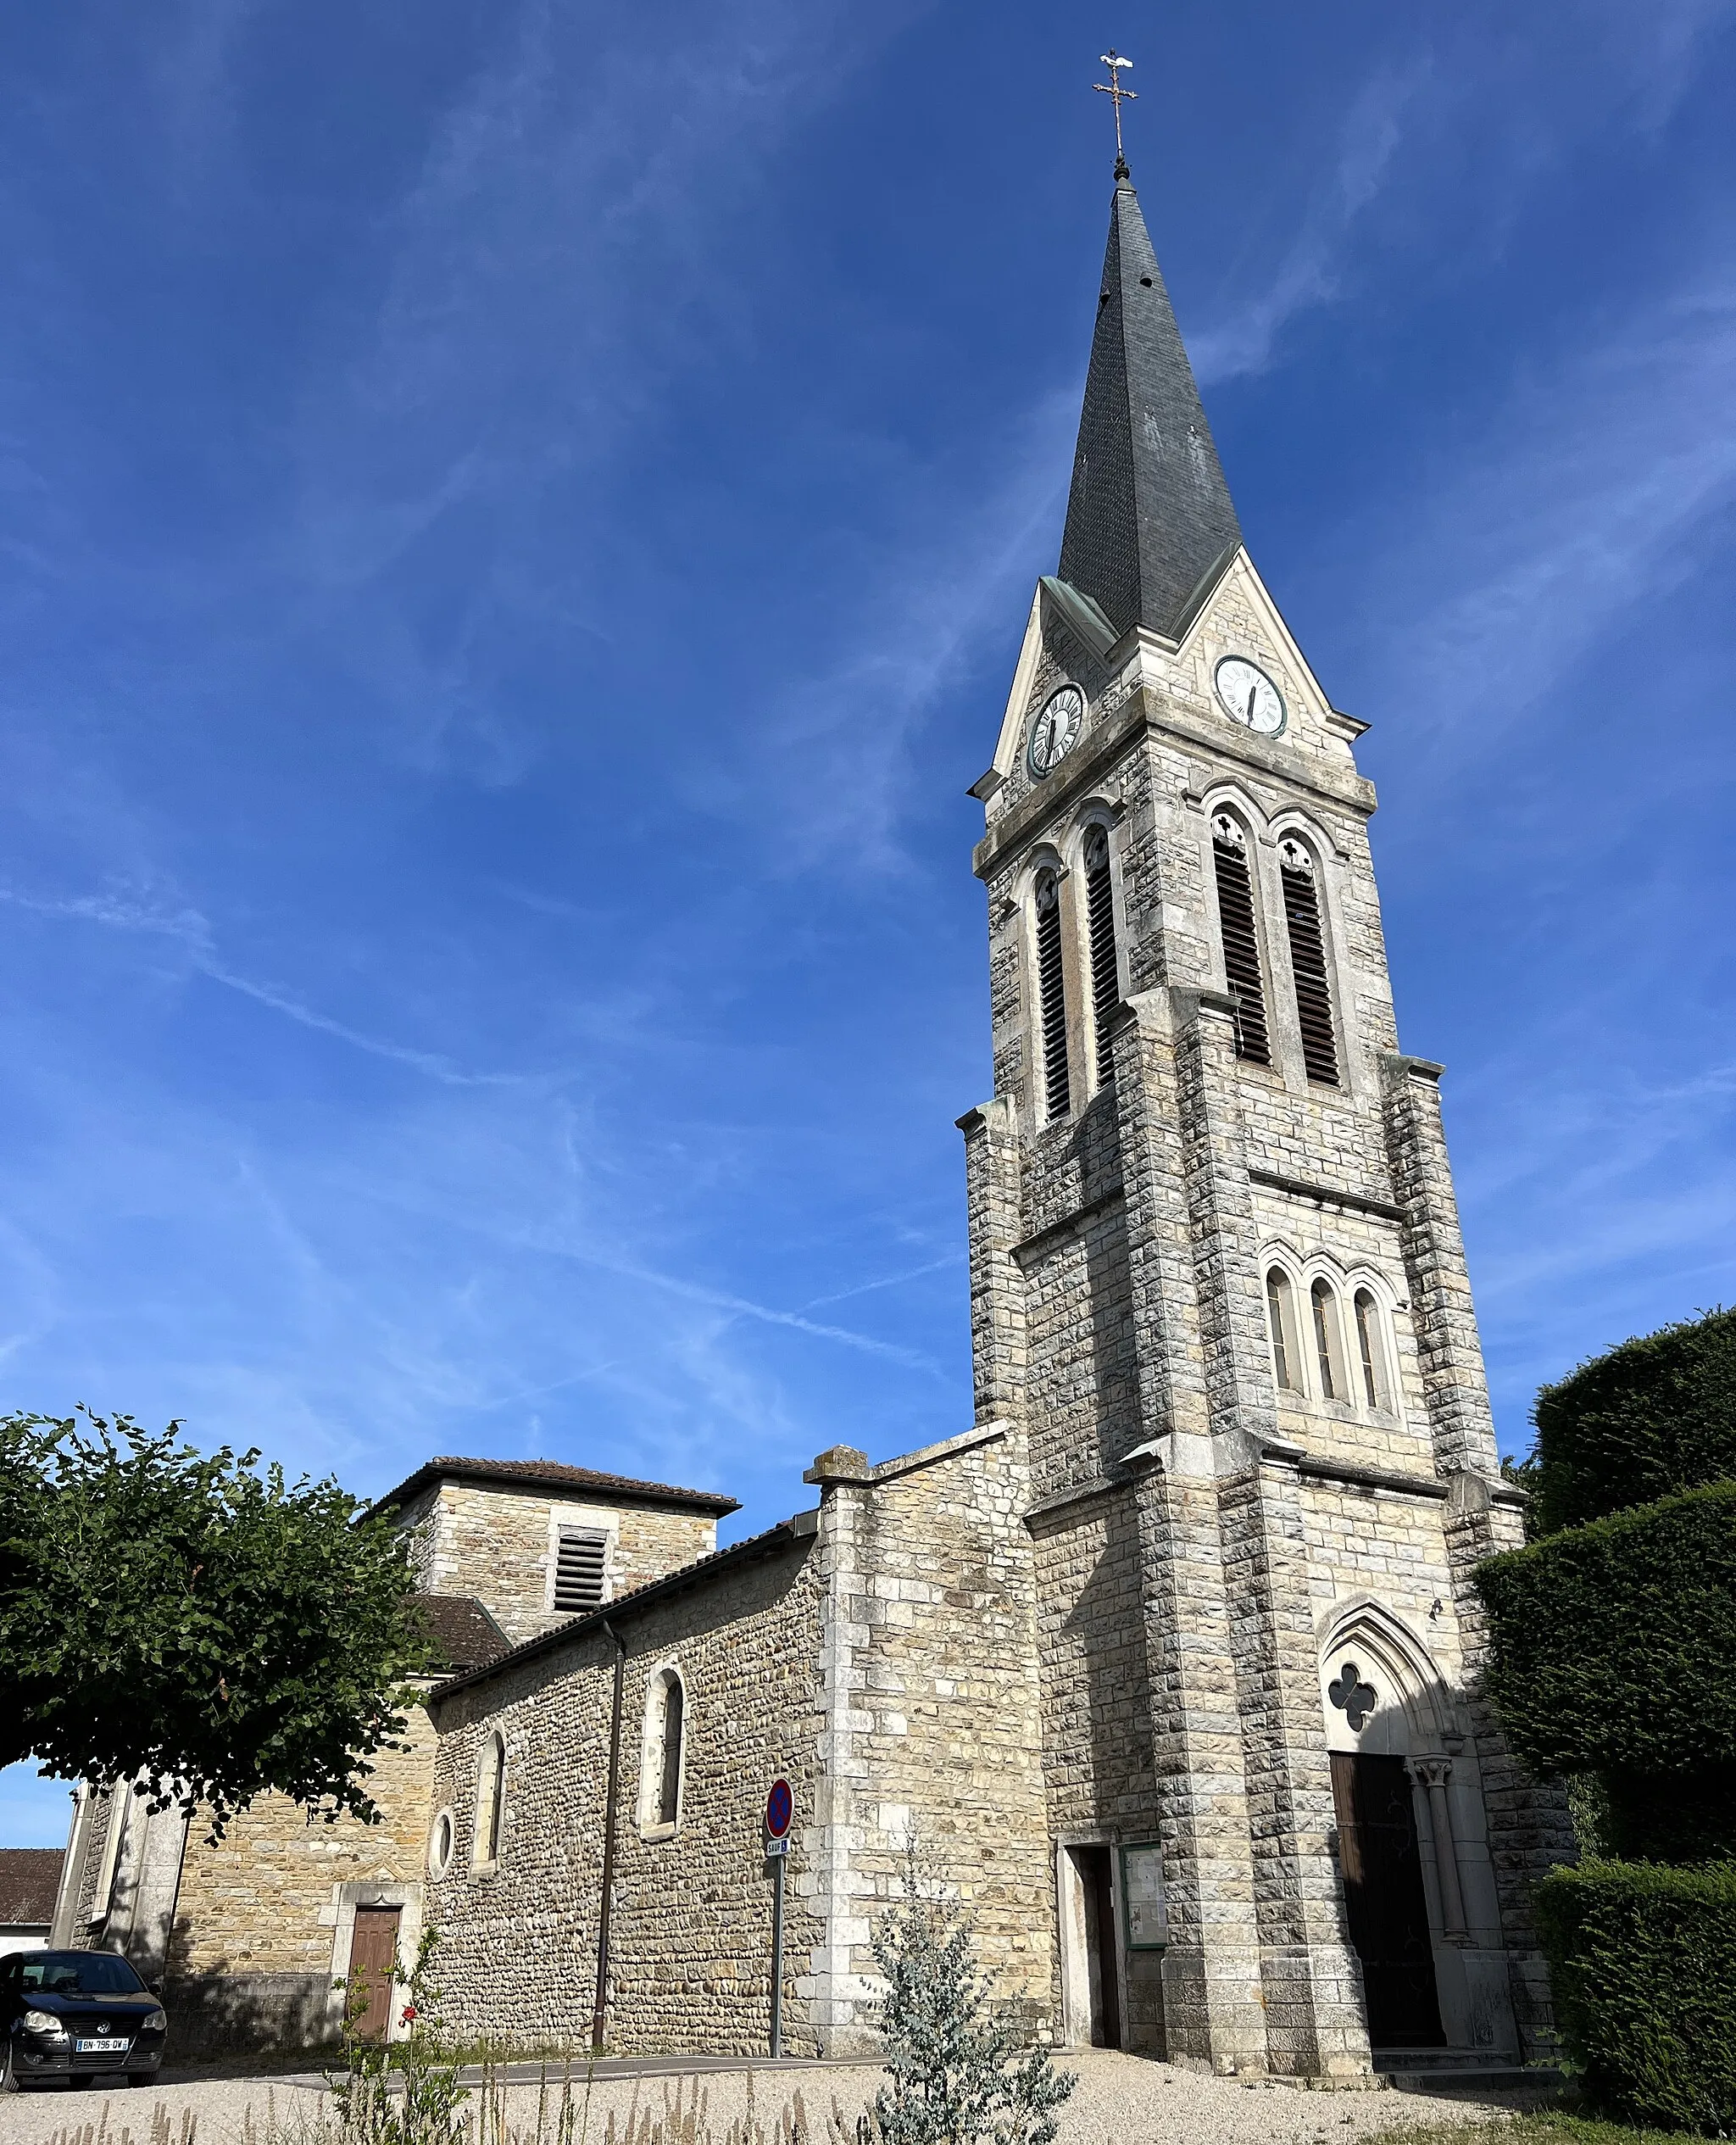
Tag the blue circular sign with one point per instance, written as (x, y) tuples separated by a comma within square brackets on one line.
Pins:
[(779, 1808)]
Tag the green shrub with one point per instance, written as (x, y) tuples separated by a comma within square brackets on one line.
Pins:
[(1612, 1646), (1643, 1962), (1655, 1416)]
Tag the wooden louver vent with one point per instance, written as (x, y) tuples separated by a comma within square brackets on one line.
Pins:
[(1105, 977), (1052, 997), (1235, 915), (578, 1569), (1314, 997)]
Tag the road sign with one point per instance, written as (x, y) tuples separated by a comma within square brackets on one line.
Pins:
[(780, 1809)]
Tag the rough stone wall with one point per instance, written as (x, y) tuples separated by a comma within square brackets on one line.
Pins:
[(495, 1544), (251, 1958), (691, 1940), (1170, 1496), (932, 1723)]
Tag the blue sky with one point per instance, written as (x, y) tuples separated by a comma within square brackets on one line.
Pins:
[(517, 523)]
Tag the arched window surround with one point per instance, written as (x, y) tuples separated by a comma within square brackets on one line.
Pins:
[(489, 1833), (1099, 936), (1323, 855), (1303, 1384), (1255, 1036), (662, 1753), (1051, 1021)]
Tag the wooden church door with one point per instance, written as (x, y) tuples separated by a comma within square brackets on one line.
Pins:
[(1384, 1901), (373, 1968)]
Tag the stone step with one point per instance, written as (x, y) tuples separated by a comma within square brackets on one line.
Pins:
[(1468, 2070)]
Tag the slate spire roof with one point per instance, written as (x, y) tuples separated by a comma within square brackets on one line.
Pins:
[(1149, 517)]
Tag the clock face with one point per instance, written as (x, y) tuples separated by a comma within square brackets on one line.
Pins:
[(1055, 727), (1247, 696)]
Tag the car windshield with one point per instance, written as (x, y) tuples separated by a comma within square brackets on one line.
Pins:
[(79, 1974)]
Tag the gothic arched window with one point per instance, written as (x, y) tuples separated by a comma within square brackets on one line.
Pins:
[(1100, 921), (1328, 1341), (661, 1757), (1371, 1349), (1051, 998), (1241, 936), (1287, 1364), (1314, 997)]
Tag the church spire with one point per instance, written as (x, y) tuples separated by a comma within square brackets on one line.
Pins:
[(1149, 517)]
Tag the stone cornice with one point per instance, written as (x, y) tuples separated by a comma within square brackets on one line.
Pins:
[(1145, 711), (1325, 1194)]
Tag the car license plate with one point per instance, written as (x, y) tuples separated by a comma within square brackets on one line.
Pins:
[(102, 2048)]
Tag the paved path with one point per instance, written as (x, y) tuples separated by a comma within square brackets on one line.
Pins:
[(1120, 2100)]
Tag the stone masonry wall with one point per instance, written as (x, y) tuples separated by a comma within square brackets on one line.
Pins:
[(933, 1727), (495, 1544), (692, 1931), (251, 1956)]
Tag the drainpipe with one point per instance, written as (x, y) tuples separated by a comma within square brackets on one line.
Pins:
[(599, 2015)]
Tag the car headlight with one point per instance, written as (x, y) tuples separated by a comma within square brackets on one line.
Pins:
[(43, 2022), (154, 2022)]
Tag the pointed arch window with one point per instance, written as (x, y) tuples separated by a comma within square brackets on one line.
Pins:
[(1371, 1350), (1241, 937), (1051, 997), (1280, 1308), (661, 1752), (1328, 1341), (1105, 969), (1314, 997)]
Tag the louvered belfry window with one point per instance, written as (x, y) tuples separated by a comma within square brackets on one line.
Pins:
[(1235, 916), (579, 1558), (1100, 919), (1314, 997), (1052, 1003)]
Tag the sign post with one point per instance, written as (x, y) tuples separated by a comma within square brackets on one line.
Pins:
[(780, 1810)]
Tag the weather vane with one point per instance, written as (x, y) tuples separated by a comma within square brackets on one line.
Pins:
[(1112, 88)]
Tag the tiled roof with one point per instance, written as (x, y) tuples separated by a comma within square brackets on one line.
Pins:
[(786, 1535), (29, 1877), (554, 1474), (464, 1634)]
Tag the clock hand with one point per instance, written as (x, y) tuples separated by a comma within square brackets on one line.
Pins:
[(1252, 695)]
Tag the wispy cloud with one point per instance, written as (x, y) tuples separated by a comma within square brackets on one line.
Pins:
[(1576, 508), (1311, 271), (190, 931)]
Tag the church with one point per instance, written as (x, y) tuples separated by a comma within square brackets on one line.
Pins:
[(1168, 1661)]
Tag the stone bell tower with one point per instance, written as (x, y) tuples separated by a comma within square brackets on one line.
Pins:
[(1217, 1278)]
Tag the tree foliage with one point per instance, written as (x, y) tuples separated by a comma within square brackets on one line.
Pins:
[(956, 2075), (185, 1620), (1642, 1963), (1643, 1420)]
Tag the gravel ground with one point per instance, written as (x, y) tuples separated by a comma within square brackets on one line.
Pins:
[(1120, 2100)]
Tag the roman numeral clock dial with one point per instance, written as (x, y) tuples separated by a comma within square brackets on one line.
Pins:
[(1054, 728), (1248, 696)]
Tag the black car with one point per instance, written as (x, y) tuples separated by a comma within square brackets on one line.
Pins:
[(69, 2017)]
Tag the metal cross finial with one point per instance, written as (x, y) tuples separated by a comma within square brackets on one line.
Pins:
[(1112, 88)]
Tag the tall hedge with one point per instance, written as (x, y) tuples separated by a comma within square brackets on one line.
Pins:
[(1655, 1416), (1613, 1646), (1642, 1963)]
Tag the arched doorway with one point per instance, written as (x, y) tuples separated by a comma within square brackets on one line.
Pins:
[(1419, 1896)]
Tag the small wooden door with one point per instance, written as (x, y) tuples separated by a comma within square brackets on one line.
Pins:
[(373, 1967), (1385, 1902)]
